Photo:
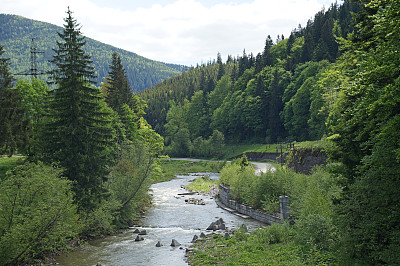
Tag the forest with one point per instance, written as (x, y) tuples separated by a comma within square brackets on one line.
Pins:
[(16, 37), (337, 80), (91, 149), (285, 93)]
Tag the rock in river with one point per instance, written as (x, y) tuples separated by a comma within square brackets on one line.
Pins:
[(175, 243)]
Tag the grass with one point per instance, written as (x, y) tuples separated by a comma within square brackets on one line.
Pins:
[(273, 245), (241, 248), (174, 167), (232, 151), (202, 184), (8, 163)]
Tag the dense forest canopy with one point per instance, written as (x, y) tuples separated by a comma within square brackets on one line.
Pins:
[(281, 93), (16, 37)]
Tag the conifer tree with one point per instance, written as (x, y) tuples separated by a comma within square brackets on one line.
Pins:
[(266, 55), (243, 63), (118, 89), (221, 70), (78, 134)]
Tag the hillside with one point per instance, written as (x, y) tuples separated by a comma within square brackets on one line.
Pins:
[(16, 35), (284, 93)]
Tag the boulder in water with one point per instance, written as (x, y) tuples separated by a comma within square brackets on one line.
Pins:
[(175, 243), (213, 226), (195, 237), (158, 244), (139, 238), (142, 233)]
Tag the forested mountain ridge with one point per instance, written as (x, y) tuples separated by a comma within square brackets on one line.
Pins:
[(281, 93), (16, 34)]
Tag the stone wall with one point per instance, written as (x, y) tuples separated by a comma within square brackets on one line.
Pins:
[(305, 159), (226, 199)]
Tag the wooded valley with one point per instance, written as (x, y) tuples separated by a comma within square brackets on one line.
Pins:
[(90, 145)]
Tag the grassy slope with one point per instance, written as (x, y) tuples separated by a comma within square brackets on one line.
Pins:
[(232, 151), (7, 163)]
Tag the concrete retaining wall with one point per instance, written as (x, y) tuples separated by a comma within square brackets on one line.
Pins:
[(226, 199)]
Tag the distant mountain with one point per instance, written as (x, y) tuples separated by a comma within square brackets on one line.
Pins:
[(16, 34)]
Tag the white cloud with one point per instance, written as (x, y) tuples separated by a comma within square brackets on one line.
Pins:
[(181, 31)]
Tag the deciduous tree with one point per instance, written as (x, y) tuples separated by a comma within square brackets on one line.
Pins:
[(14, 125)]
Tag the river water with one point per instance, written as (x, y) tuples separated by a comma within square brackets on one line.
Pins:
[(168, 218)]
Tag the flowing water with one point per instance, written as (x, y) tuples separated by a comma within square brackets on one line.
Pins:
[(168, 218)]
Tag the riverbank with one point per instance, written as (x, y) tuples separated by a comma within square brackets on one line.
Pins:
[(168, 170), (311, 241), (169, 217)]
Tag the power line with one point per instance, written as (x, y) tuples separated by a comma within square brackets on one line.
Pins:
[(34, 70)]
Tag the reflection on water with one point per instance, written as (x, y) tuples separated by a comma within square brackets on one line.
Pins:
[(169, 218)]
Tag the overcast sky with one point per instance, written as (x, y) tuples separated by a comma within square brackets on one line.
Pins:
[(177, 31)]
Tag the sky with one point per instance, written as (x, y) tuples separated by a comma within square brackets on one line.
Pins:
[(187, 32)]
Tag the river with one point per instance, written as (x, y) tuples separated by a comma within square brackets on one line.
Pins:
[(168, 218)]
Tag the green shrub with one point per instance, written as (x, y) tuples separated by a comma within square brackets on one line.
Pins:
[(317, 230), (273, 234), (37, 213)]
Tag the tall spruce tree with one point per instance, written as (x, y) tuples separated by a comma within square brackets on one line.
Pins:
[(121, 99), (221, 70), (266, 55), (78, 133), (118, 89)]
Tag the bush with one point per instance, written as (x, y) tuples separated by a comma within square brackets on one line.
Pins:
[(37, 213), (311, 204), (273, 234), (316, 230)]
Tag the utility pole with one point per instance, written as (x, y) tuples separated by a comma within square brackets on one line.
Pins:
[(33, 70)]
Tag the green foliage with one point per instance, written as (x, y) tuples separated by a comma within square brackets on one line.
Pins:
[(301, 113), (8, 164), (34, 92), (15, 126), (34, 95), (367, 139), (37, 213), (202, 184), (17, 34), (117, 90), (196, 116), (262, 99), (78, 133), (209, 148), (311, 200), (238, 177), (372, 203), (181, 144), (171, 168), (272, 245)]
